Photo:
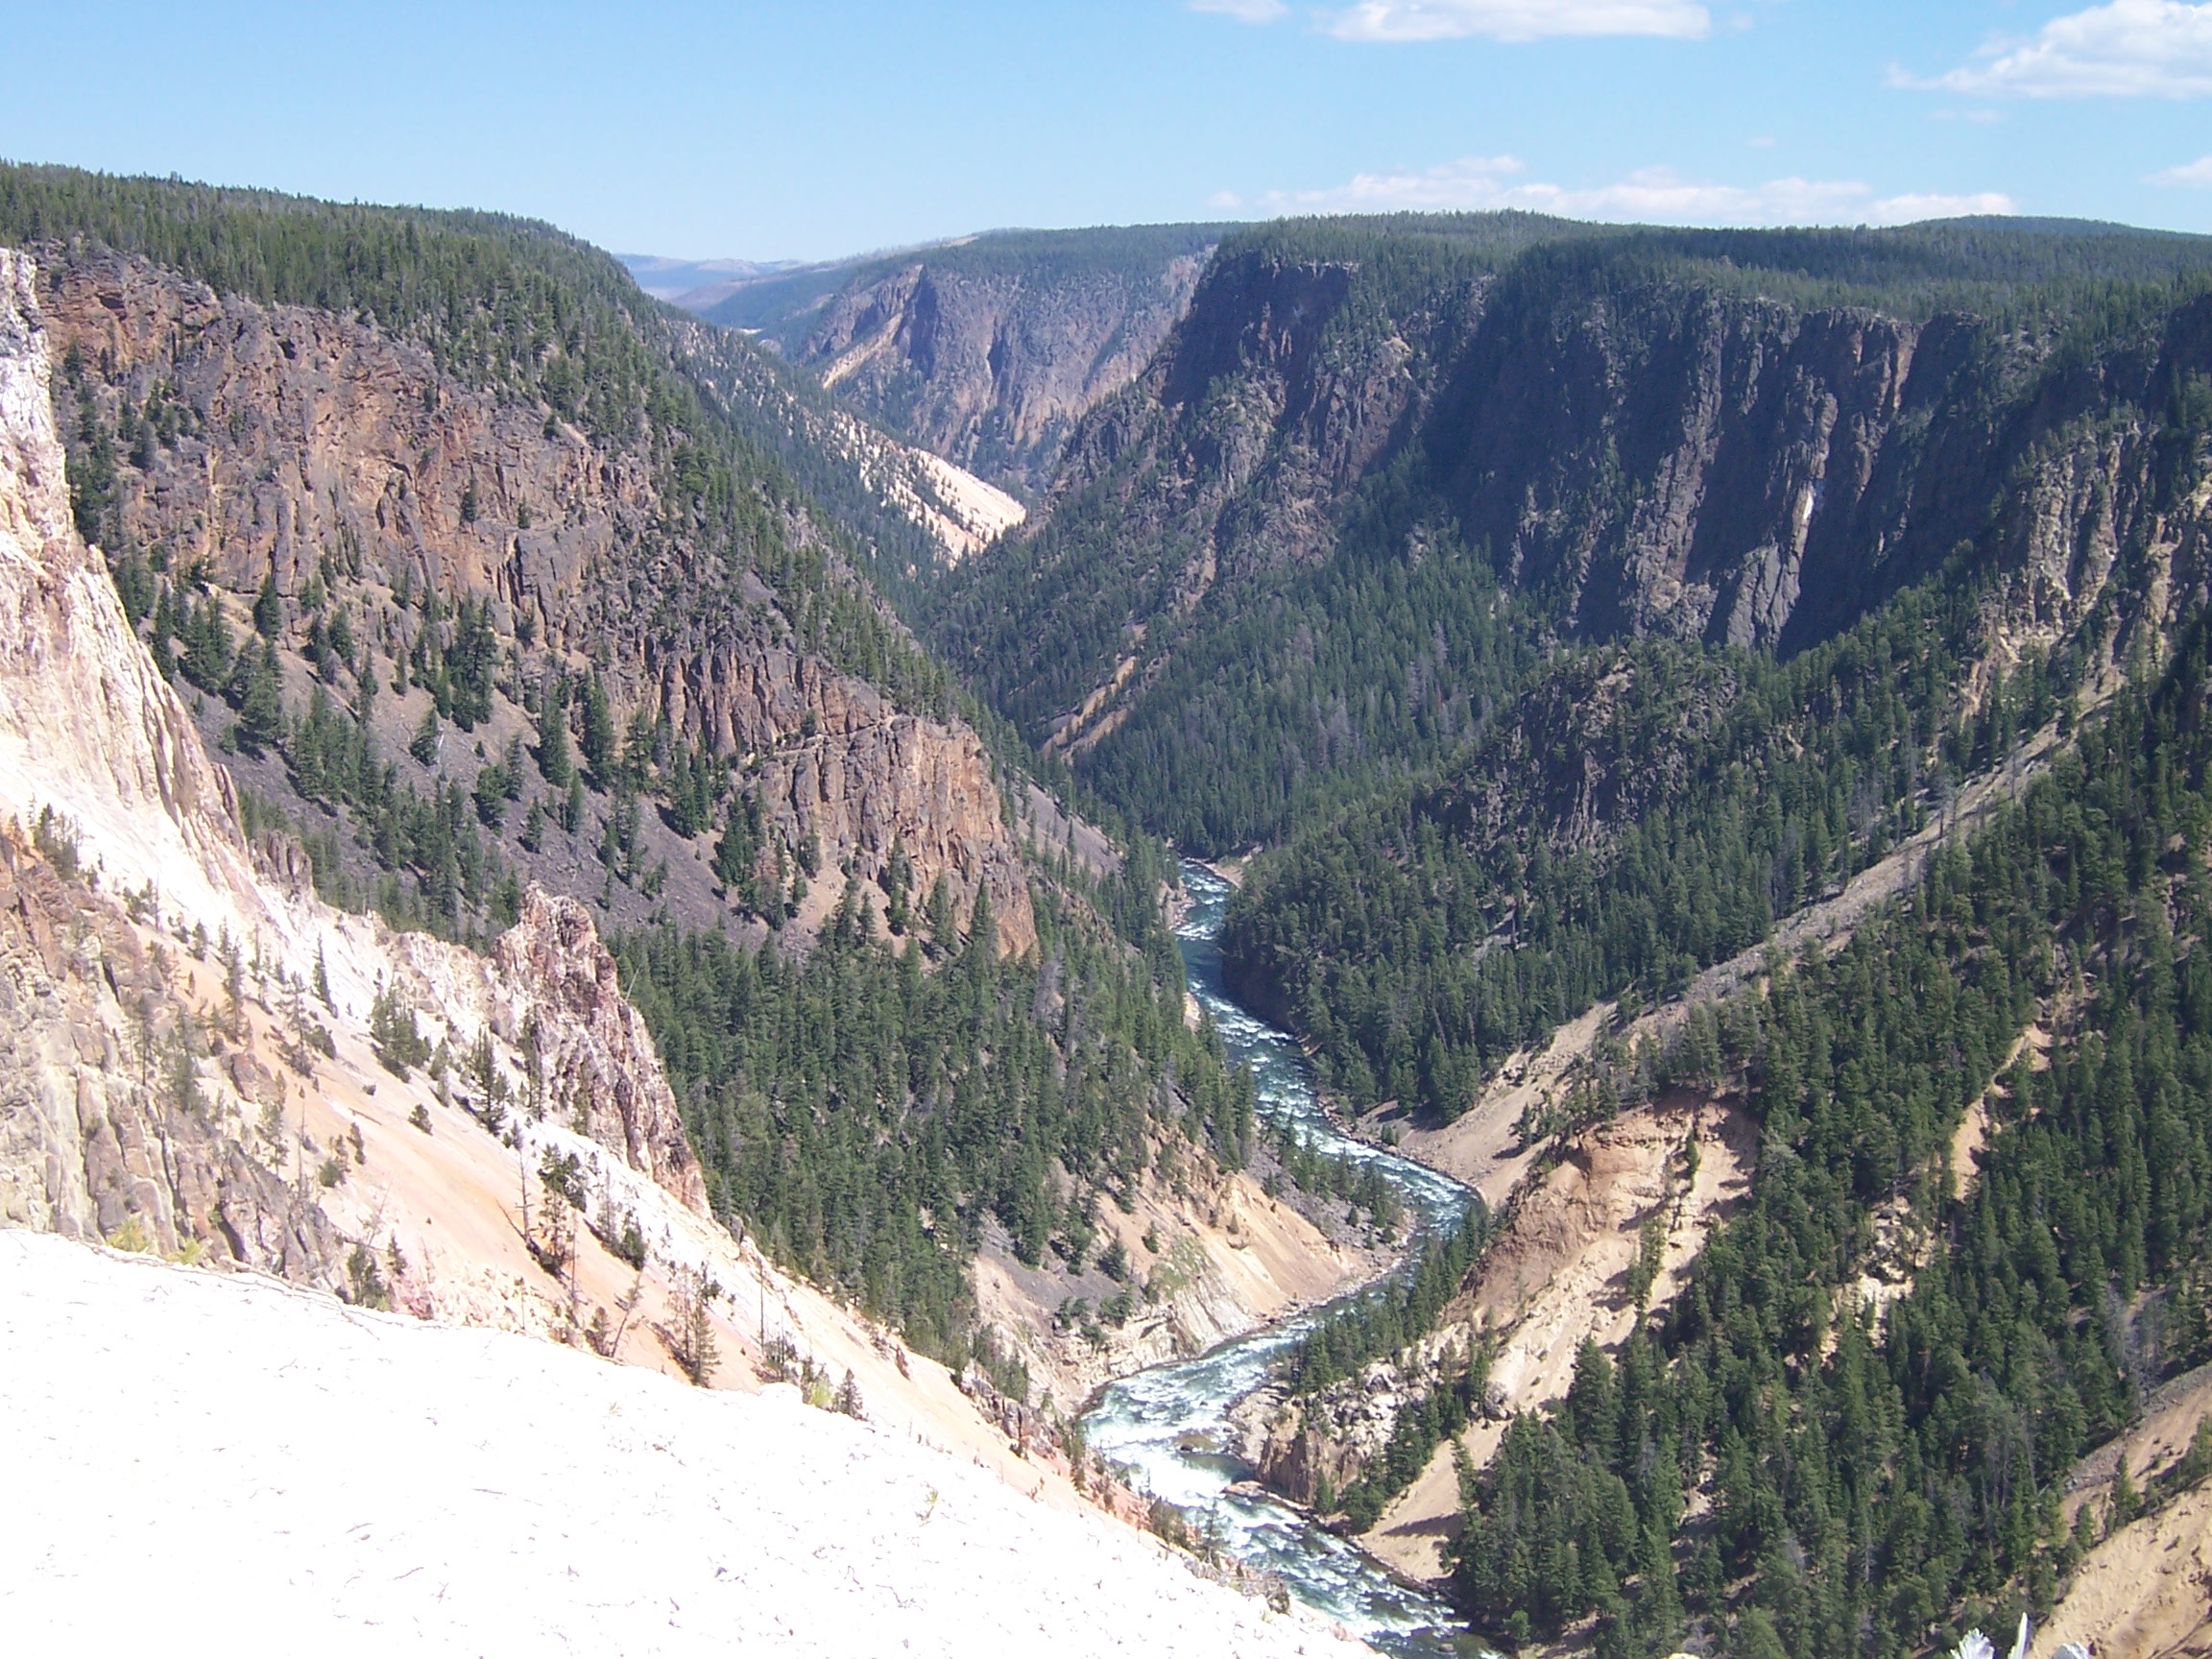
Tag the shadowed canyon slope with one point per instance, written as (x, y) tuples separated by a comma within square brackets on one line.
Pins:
[(1748, 439)]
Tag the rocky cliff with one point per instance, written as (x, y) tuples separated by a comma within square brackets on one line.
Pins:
[(1630, 440), (224, 444), (164, 1050), (205, 1061), (988, 352)]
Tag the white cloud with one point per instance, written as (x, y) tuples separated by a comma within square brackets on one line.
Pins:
[(1650, 195), (2197, 174), (1908, 208), (1516, 19), (2127, 49), (1243, 11), (1473, 182)]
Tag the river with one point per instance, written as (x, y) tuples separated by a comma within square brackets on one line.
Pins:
[(1170, 1427)]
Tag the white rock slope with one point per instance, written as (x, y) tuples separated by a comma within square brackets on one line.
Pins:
[(189, 1455)]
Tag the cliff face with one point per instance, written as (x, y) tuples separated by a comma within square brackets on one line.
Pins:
[(95, 731), (200, 1059), (912, 510), (1243, 431), (308, 436), (1707, 464), (242, 442), (1634, 453), (991, 368), (549, 992), (115, 1122), (161, 1051)]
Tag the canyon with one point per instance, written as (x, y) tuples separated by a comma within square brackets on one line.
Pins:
[(214, 1065), (525, 809)]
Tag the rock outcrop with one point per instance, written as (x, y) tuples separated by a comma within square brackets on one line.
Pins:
[(325, 454), (550, 990), (87, 727), (116, 1122), (988, 352), (1637, 450)]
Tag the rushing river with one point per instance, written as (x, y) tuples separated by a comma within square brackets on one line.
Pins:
[(1170, 1425)]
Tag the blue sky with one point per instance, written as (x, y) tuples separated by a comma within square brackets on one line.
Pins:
[(790, 131)]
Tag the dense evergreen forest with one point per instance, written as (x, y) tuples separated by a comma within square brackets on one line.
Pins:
[(1873, 1473), (867, 1114), (1434, 928)]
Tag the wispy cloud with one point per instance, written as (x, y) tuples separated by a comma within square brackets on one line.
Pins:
[(2196, 175), (1657, 195), (1244, 10), (1515, 19), (2127, 49)]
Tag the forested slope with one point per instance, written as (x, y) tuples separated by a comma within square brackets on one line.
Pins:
[(1560, 609), (1266, 577), (474, 576), (1782, 1455)]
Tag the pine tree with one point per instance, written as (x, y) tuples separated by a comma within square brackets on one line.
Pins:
[(269, 608), (424, 745), (553, 760), (598, 739), (261, 702)]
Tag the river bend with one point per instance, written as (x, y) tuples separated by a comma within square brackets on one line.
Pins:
[(1169, 1425)]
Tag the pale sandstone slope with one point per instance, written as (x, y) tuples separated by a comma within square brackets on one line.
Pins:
[(302, 1476)]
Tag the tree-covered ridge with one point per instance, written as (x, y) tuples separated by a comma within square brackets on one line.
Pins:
[(1643, 813), (524, 311), (867, 1116), (1867, 1479), (1211, 607), (786, 308), (501, 301), (2011, 270)]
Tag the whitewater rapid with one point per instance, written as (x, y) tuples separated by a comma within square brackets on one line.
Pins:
[(1169, 1425)]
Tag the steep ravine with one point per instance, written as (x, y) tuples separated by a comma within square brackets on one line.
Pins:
[(1170, 1427)]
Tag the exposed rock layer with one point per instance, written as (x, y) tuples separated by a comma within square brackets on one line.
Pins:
[(1639, 455), (315, 445), (991, 369)]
